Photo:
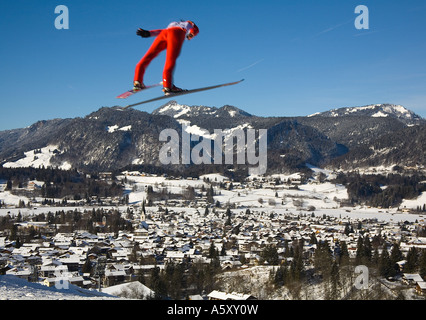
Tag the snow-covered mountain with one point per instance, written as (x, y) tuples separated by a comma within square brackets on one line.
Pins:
[(112, 139), (376, 111), (176, 110), (107, 139), (403, 148)]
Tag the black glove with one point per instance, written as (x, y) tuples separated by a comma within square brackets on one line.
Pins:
[(143, 33)]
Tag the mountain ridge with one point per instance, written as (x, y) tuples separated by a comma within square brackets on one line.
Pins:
[(110, 139), (376, 111)]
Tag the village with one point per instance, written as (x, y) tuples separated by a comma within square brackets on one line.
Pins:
[(187, 227)]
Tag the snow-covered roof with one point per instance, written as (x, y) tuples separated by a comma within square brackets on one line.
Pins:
[(413, 277), (134, 286), (219, 295)]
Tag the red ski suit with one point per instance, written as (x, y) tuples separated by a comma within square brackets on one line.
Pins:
[(171, 39)]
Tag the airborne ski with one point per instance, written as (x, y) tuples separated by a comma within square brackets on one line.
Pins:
[(183, 93)]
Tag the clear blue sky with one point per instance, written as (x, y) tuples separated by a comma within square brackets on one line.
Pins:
[(297, 57)]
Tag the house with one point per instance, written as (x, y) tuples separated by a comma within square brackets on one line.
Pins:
[(252, 258), (50, 270), (421, 288), (50, 282), (74, 262), (21, 272), (114, 273), (411, 278), (230, 264), (62, 281), (176, 256)]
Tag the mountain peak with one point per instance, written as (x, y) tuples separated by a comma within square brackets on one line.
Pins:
[(176, 110), (234, 111), (172, 109)]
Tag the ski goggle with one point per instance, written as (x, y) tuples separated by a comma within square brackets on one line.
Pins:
[(193, 31)]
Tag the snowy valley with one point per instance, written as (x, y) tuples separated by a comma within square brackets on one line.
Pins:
[(86, 203)]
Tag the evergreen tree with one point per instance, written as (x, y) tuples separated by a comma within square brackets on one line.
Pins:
[(386, 268), (422, 264), (175, 281), (213, 253), (223, 250), (412, 260), (270, 255), (367, 250), (360, 251), (334, 282), (228, 221), (157, 284), (375, 258), (210, 194), (377, 241), (313, 239), (87, 266), (18, 243), (323, 258), (281, 276), (286, 249), (14, 232), (395, 256), (197, 275), (296, 269), (344, 254)]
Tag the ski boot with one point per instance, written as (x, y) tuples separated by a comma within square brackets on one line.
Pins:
[(137, 86), (172, 90)]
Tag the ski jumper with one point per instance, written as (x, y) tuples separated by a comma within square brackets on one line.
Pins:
[(172, 39)]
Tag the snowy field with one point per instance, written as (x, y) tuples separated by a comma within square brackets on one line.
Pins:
[(38, 158), (14, 288), (357, 213), (320, 198)]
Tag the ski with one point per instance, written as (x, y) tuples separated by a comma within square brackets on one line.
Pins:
[(129, 93), (183, 93)]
